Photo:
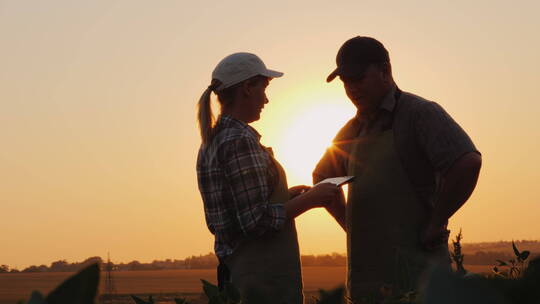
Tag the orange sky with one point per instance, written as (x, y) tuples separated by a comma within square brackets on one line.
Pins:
[(99, 136)]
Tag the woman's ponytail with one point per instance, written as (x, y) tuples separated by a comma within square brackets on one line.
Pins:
[(205, 116)]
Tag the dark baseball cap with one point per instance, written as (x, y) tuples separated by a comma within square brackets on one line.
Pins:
[(356, 55)]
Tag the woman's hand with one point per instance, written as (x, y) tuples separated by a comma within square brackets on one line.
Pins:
[(322, 194), (297, 190), (307, 198)]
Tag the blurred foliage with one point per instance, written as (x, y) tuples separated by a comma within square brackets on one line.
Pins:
[(228, 295), (80, 288), (515, 267)]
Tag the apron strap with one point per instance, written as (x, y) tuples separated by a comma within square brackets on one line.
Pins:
[(390, 123)]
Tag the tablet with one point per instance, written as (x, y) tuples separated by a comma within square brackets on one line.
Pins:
[(338, 181)]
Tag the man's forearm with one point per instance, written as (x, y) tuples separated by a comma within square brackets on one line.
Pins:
[(458, 185), (338, 210)]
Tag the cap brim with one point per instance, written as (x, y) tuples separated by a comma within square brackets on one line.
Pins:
[(332, 75), (272, 73), (347, 71)]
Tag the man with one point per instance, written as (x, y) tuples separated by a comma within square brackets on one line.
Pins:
[(414, 168)]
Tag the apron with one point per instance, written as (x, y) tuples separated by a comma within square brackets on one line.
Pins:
[(384, 221), (269, 266)]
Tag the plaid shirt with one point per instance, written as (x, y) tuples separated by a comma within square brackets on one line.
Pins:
[(236, 177)]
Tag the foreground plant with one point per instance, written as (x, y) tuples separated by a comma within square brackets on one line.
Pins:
[(443, 287), (80, 288), (457, 255), (228, 295), (515, 267)]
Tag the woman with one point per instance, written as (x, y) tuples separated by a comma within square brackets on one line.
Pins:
[(248, 206)]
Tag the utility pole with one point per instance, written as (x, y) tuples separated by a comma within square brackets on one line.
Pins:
[(110, 289)]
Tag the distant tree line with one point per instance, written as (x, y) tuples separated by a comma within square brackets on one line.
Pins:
[(501, 246), (208, 261), (484, 256), (334, 259), (491, 257), (57, 266)]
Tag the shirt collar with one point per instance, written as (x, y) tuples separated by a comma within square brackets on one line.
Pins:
[(389, 101), (227, 121)]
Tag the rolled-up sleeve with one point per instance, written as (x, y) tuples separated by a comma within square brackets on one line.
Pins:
[(334, 160), (246, 166), (330, 165), (442, 140)]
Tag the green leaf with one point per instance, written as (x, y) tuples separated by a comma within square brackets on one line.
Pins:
[(524, 255), (210, 290), (81, 288), (36, 298), (516, 251), (502, 263)]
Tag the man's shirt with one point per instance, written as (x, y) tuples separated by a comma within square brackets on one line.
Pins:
[(427, 139), (236, 176)]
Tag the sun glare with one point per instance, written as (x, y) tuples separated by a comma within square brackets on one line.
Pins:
[(307, 137)]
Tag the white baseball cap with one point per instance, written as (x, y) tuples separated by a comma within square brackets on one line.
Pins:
[(238, 67)]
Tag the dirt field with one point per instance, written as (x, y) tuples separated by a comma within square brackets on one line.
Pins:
[(167, 283)]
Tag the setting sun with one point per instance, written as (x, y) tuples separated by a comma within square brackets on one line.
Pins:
[(307, 137), (300, 124)]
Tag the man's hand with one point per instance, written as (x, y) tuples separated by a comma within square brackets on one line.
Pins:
[(337, 209), (457, 186), (297, 190)]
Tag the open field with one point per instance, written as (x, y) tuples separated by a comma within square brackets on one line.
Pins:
[(18, 286)]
